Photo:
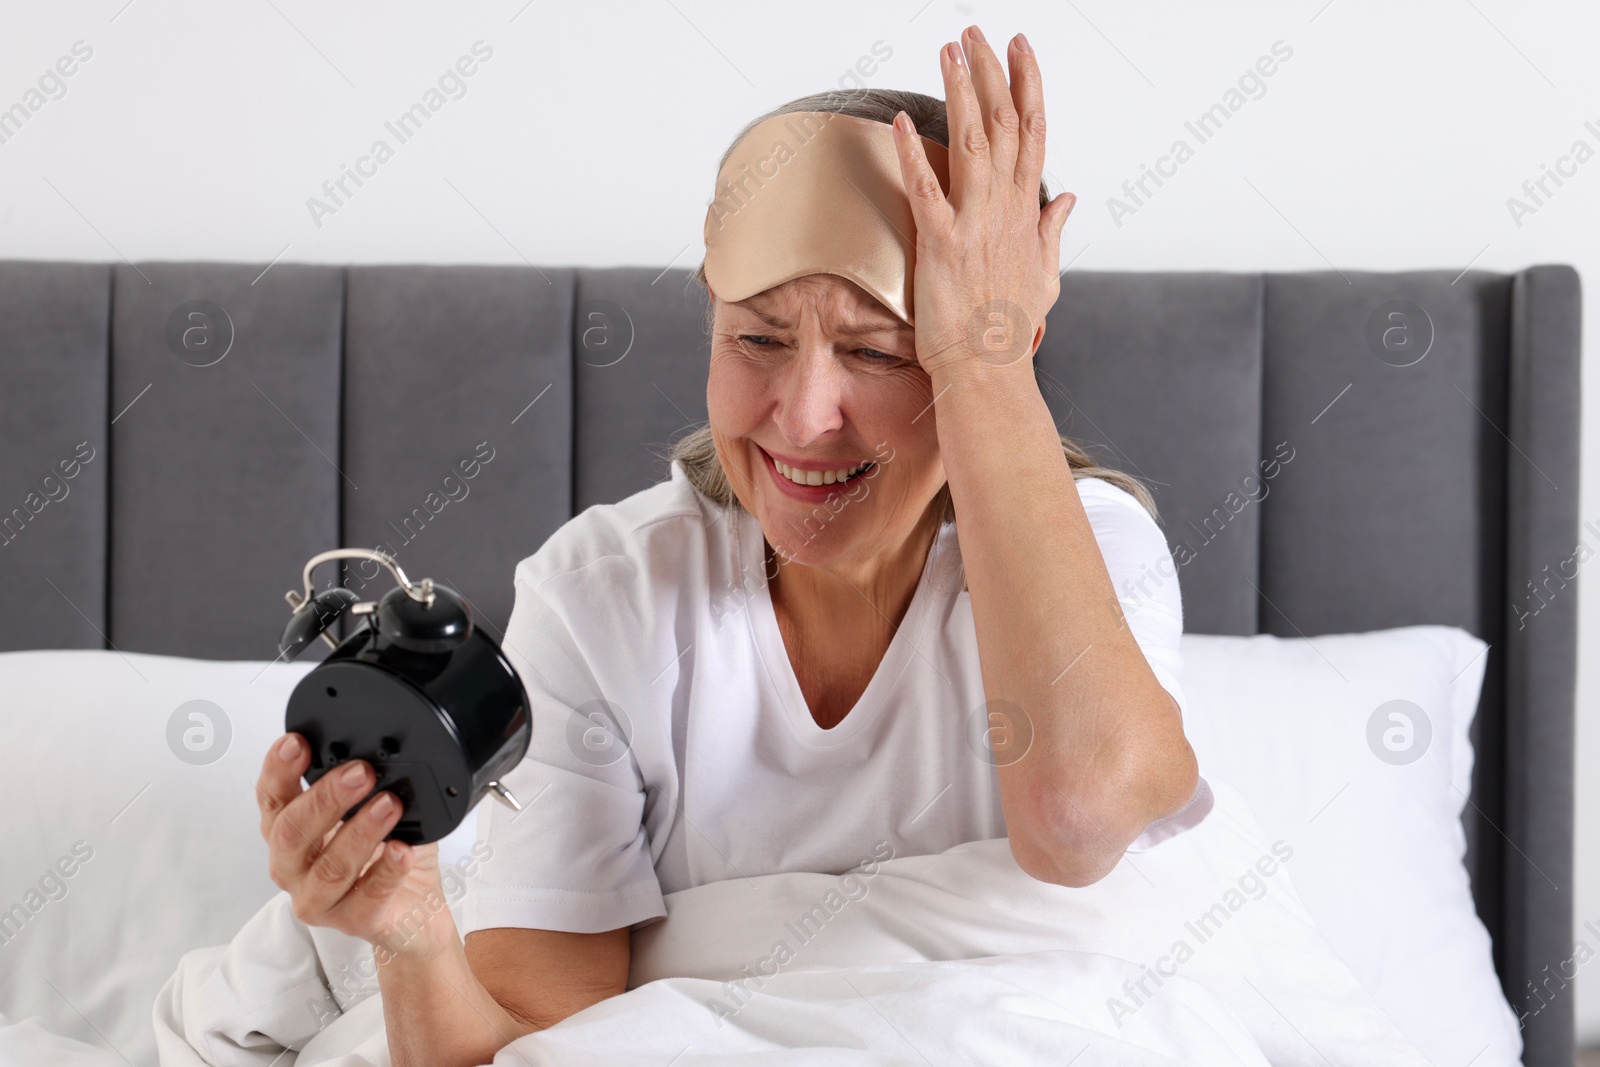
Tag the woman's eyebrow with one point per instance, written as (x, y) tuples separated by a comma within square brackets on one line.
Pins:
[(771, 320), (849, 330), (859, 329)]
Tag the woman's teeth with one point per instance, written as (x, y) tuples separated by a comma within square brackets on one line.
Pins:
[(819, 477)]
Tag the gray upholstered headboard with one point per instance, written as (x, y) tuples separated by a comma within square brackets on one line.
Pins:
[(456, 415)]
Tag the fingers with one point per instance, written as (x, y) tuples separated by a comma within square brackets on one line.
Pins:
[(336, 869), (994, 101), (338, 872), (970, 167), (929, 207), (1051, 221), (386, 873), (296, 835), (279, 783), (1027, 86)]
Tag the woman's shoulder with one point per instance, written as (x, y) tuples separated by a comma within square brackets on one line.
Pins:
[(1104, 487), (1097, 492), (1120, 522), (635, 533)]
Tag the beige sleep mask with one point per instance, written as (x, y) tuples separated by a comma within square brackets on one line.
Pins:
[(815, 192)]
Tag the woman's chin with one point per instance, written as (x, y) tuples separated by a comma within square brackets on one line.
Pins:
[(796, 537)]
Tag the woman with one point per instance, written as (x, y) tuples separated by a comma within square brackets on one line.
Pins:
[(733, 673)]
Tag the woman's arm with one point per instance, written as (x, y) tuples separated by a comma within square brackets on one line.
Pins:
[(1102, 752), (449, 1005), (1107, 754)]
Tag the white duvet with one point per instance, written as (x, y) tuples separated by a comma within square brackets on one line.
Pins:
[(1196, 951)]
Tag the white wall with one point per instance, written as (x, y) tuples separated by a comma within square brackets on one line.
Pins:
[(1390, 140)]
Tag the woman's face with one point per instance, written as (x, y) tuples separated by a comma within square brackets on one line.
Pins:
[(817, 374)]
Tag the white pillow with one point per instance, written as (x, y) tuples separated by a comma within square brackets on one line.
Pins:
[(1355, 749), (175, 859)]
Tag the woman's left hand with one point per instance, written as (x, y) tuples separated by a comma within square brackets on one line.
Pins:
[(988, 259)]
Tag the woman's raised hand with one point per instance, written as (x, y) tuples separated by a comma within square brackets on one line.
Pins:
[(341, 874), (988, 259)]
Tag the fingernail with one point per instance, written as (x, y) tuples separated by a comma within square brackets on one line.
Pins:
[(902, 122), (289, 750), (1023, 45), (977, 34), (354, 774), (382, 807)]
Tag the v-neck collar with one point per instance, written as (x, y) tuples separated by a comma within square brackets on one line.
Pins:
[(774, 654)]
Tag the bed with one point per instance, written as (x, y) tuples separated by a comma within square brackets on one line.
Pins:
[(225, 423)]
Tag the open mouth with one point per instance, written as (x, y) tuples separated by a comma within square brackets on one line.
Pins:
[(816, 479)]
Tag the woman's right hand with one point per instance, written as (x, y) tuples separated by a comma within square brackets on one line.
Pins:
[(343, 875)]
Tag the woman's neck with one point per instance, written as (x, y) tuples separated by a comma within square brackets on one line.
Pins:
[(855, 599)]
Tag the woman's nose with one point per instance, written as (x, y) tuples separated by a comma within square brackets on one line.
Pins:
[(811, 396)]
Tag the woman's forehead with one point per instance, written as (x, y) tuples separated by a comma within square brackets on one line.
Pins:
[(835, 300)]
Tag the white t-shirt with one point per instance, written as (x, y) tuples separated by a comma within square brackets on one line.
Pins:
[(672, 745)]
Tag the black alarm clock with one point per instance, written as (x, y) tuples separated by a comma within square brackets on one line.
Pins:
[(418, 691)]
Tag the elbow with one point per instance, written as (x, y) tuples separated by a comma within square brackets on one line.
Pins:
[(1068, 866), (1072, 841), (1076, 837)]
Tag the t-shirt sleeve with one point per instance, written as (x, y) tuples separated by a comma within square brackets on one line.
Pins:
[(1145, 577), (577, 857)]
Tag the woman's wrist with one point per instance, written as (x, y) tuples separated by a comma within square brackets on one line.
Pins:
[(977, 374), (421, 934), (998, 442), (975, 397), (420, 966)]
